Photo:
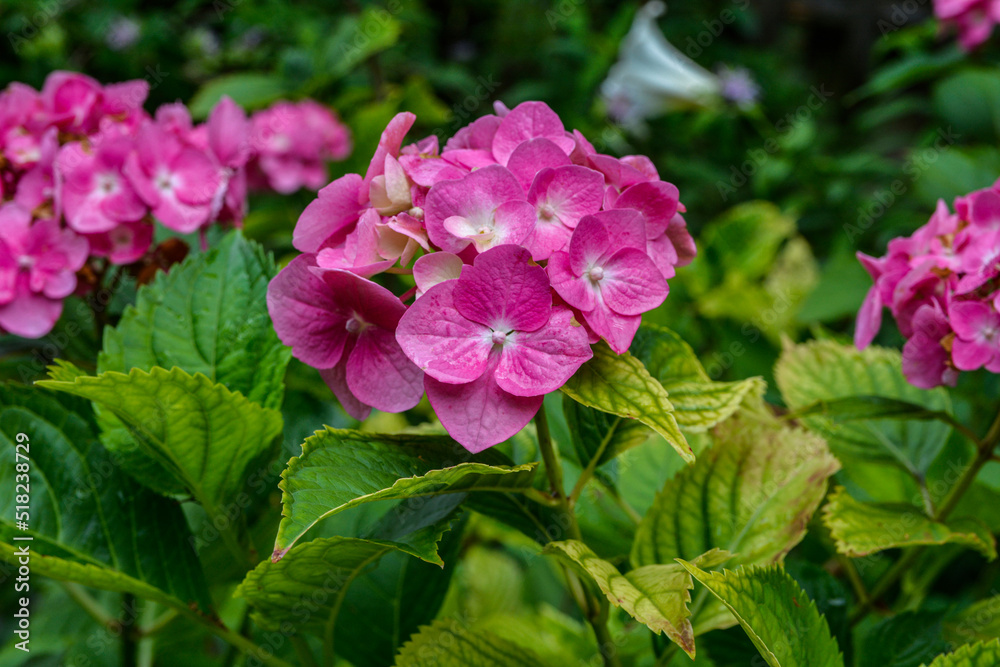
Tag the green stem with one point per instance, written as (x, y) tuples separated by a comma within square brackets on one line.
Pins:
[(93, 608), (157, 625), (303, 652), (852, 575), (596, 611), (984, 454), (128, 631)]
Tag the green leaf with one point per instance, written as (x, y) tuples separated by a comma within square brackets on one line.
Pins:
[(981, 654), (825, 370), (654, 595), (621, 385), (860, 528), (752, 494), (281, 590), (342, 469), (979, 622), (451, 643), (202, 436), (699, 403), (970, 101), (601, 435), (855, 408), (904, 640), (90, 522), (209, 316), (781, 621), (250, 90), (357, 38)]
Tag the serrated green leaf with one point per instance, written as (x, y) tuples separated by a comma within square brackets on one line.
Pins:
[(250, 90), (825, 370), (208, 315), (342, 469), (860, 529), (90, 522), (781, 621), (978, 622), (980, 654), (601, 435), (855, 408), (450, 643), (202, 436), (752, 493), (654, 595), (621, 385), (699, 403)]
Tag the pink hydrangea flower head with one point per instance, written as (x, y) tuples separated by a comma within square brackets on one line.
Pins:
[(38, 265), (178, 182), (344, 325), (974, 19), (485, 209), (529, 120), (126, 243), (492, 345), (96, 195), (73, 100), (608, 276)]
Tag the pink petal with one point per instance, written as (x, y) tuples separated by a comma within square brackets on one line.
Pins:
[(181, 217), (969, 318), (547, 237), (427, 171), (618, 174), (440, 341), (336, 380), (617, 330), (380, 375), (388, 144), (229, 133), (30, 315), (479, 414), (335, 208), (306, 314), (625, 227), (541, 361), (362, 298), (572, 192), (869, 319), (435, 268), (631, 284), (657, 201), (590, 243), (529, 120), (970, 356), (503, 291), (475, 198), (575, 290), (198, 178), (476, 135), (532, 156)]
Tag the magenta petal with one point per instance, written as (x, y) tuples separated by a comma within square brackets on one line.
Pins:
[(970, 356), (631, 284), (306, 315), (229, 133), (504, 292), (363, 298), (570, 193), (626, 228), (529, 120), (617, 330), (475, 198), (532, 156), (589, 244), (335, 208), (380, 375), (541, 361), (657, 201), (869, 319), (30, 315), (479, 414), (574, 290), (547, 237), (336, 380), (388, 144), (439, 340), (198, 178)]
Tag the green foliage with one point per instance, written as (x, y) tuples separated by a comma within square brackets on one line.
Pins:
[(447, 643), (775, 613), (981, 654)]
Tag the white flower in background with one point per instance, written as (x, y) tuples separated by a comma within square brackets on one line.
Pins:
[(123, 33), (652, 76)]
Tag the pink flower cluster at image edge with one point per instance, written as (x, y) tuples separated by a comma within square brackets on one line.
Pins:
[(974, 19), (84, 170), (526, 247), (942, 284)]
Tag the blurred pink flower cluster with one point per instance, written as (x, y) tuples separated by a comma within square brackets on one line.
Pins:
[(85, 171), (974, 19), (525, 247), (942, 284)]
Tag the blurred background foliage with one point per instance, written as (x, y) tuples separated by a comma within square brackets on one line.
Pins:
[(779, 196)]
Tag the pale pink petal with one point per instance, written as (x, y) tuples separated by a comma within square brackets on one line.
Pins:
[(479, 414), (631, 284), (380, 375), (435, 268), (541, 361), (440, 341), (388, 144), (502, 290)]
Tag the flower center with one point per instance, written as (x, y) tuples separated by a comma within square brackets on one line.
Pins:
[(546, 212), (499, 338), (596, 273), (25, 261), (106, 183), (354, 325), (163, 181)]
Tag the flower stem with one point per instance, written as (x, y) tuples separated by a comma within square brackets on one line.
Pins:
[(984, 454), (595, 610)]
